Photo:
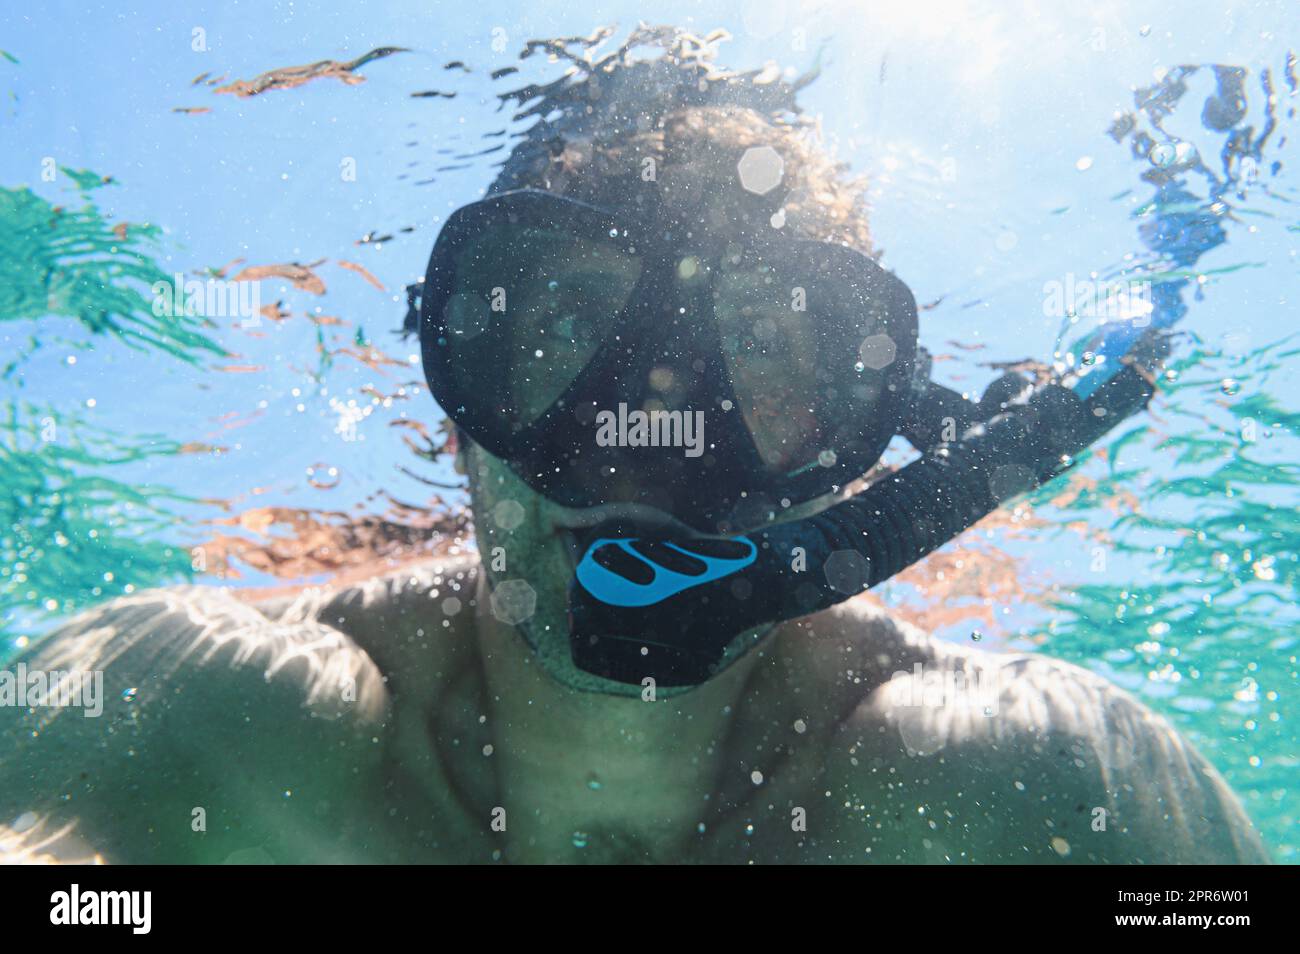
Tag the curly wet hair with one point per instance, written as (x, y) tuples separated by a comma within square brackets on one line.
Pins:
[(679, 114)]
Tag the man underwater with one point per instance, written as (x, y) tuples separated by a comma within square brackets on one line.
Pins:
[(655, 660)]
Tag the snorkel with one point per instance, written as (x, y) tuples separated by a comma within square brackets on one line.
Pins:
[(667, 608)]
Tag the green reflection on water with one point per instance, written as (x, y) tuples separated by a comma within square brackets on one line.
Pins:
[(1204, 629), (71, 263), (72, 533), (77, 527)]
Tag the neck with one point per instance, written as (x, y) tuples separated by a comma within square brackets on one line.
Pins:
[(588, 775)]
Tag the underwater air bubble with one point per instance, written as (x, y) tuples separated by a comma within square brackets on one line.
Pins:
[(1162, 155)]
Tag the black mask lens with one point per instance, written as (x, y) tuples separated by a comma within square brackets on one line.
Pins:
[(527, 310)]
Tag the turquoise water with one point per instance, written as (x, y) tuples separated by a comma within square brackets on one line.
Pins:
[(294, 441)]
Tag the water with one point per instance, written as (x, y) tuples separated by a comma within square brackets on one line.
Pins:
[(295, 440)]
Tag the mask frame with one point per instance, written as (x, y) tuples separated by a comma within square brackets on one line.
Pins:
[(666, 321)]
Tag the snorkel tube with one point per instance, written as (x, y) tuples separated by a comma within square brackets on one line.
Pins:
[(667, 607)]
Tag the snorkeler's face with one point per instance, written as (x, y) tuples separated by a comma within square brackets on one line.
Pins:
[(650, 383)]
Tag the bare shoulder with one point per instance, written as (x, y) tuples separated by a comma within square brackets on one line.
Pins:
[(211, 711), (1015, 757), (413, 619)]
